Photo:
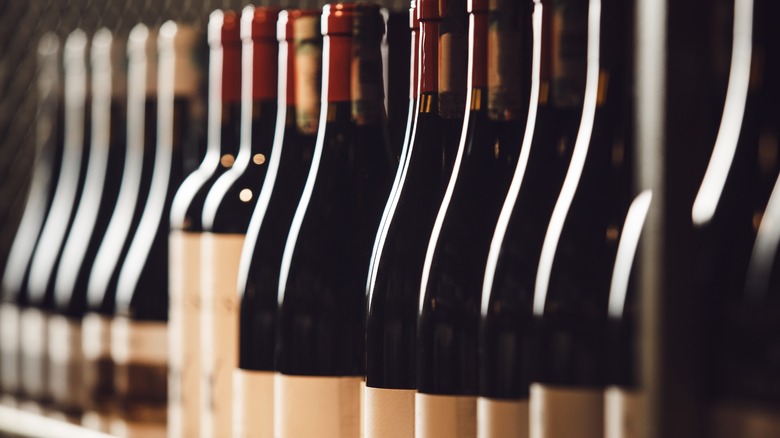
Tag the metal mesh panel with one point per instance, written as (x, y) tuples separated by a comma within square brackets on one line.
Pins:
[(22, 22)]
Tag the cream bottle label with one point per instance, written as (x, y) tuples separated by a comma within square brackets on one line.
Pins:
[(502, 418), (622, 413), (34, 333), (66, 362), (184, 335), (140, 353), (564, 412), (444, 415), (389, 413), (220, 257), (9, 347), (323, 407), (253, 404)]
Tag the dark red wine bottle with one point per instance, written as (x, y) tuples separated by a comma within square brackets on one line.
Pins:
[(188, 402), (48, 252), (141, 130), (732, 218), (321, 316), (555, 107), (139, 341), (300, 63), (623, 397), (394, 283), (399, 60), (452, 274), (380, 401), (49, 141), (96, 204), (572, 283), (226, 214)]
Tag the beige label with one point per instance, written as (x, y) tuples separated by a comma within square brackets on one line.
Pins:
[(220, 257), (445, 416), (622, 413), (139, 342), (66, 357), (133, 429), (502, 418), (564, 412), (389, 413), (184, 396), (9, 347), (96, 336), (323, 407), (733, 420), (253, 404), (34, 333)]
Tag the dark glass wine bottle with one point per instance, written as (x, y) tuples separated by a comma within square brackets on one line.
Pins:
[(97, 201), (40, 287), (188, 400), (396, 404), (321, 316), (48, 161), (732, 215), (226, 214), (399, 61), (623, 398), (455, 259), (135, 180), (572, 282), (555, 106), (399, 249), (139, 341), (300, 63)]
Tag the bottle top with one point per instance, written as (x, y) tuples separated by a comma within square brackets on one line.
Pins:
[(414, 21), (431, 9), (287, 19), (478, 6), (338, 19), (263, 23)]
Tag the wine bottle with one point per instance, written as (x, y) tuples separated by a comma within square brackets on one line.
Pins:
[(188, 401), (97, 202), (458, 246), (321, 316), (35, 316), (731, 229), (226, 214), (135, 180), (399, 61), (623, 397), (300, 63), (139, 346), (553, 115), (394, 283), (46, 169), (572, 281)]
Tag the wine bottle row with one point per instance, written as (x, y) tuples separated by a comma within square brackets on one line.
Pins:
[(354, 221)]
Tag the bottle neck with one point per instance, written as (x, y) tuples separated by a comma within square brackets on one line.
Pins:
[(478, 50), (265, 69), (367, 85), (307, 53), (428, 71), (414, 64), (509, 60), (338, 54)]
